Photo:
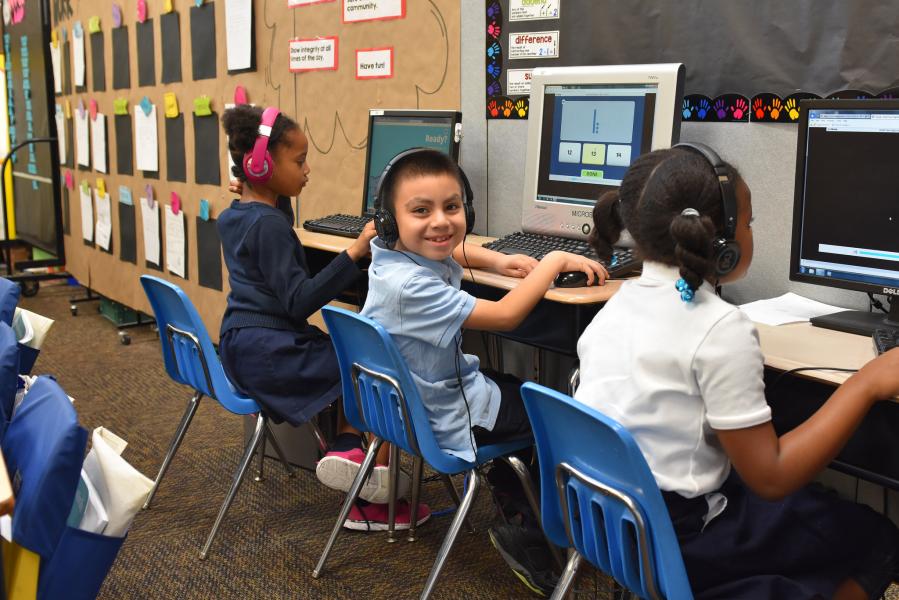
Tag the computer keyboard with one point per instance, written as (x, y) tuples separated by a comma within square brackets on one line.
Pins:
[(885, 338), (623, 262), (343, 225)]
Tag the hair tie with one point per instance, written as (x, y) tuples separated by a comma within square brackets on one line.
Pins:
[(686, 292), (689, 212)]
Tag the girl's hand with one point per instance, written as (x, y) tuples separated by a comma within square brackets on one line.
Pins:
[(573, 262), (515, 265), (235, 187), (362, 246), (881, 375)]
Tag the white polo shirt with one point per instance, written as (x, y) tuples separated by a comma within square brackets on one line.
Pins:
[(671, 372)]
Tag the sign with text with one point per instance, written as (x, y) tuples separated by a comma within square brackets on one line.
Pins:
[(373, 10), (534, 44), (374, 63), (316, 54), (532, 10), (518, 82)]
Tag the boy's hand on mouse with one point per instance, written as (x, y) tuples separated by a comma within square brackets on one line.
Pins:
[(881, 375), (235, 187), (515, 265), (362, 246), (596, 273)]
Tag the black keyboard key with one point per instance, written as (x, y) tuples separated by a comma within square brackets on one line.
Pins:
[(885, 339)]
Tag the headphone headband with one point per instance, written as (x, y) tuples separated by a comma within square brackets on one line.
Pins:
[(256, 166)]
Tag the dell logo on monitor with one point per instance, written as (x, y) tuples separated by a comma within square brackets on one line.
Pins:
[(890, 291)]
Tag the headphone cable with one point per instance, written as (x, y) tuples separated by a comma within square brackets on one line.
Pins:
[(458, 340)]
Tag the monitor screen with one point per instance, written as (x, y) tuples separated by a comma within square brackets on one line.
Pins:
[(392, 132), (846, 208)]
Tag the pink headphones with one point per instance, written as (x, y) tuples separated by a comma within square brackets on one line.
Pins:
[(257, 164)]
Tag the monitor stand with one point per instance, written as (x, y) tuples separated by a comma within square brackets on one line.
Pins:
[(859, 321)]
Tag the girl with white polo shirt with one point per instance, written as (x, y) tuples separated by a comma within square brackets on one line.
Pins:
[(681, 369)]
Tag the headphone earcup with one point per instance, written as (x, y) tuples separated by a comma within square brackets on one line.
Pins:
[(255, 175), (726, 256), (469, 217), (385, 225)]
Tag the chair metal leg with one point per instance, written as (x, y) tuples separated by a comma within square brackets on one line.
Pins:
[(364, 472), (525, 478), (250, 450), (260, 476), (291, 472), (568, 575), (394, 483), (454, 494), (319, 436), (455, 526), (189, 413), (418, 465)]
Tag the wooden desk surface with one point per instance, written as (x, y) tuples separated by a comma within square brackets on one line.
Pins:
[(583, 295)]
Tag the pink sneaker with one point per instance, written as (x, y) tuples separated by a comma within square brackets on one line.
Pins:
[(373, 517), (337, 470)]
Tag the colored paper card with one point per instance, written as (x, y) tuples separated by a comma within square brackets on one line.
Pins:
[(61, 134), (127, 233), (207, 164), (170, 105), (101, 185), (696, 107), (98, 143), (98, 62), (56, 61), (103, 226), (240, 95), (296, 3), (201, 106), (67, 108), (175, 245), (239, 35), (313, 54), (534, 44), (170, 39), (66, 67), (793, 104), (528, 10), (374, 63), (850, 95), (87, 214), (78, 55), (167, 6), (146, 140), (766, 108), (116, 15), (518, 82), (70, 180), (202, 41), (204, 209), (150, 228), (120, 106), (82, 139), (121, 70), (373, 10), (209, 254), (175, 166), (146, 54), (93, 24), (124, 145), (176, 203), (125, 195), (141, 11)]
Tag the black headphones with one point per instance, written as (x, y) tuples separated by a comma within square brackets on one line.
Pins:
[(385, 220), (726, 250)]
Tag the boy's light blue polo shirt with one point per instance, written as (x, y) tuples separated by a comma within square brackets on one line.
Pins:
[(422, 307)]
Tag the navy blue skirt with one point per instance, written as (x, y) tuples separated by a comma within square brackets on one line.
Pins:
[(292, 374), (803, 546)]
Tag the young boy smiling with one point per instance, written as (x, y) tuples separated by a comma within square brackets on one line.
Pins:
[(414, 293)]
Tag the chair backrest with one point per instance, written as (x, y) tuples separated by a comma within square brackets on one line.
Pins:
[(9, 373), (9, 297), (187, 350), (378, 392), (599, 495)]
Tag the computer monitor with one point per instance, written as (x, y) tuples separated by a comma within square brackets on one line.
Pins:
[(393, 131), (846, 210), (586, 126)]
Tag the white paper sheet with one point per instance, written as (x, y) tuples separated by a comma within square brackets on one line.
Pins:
[(56, 59), (174, 241), (146, 140), (104, 220), (150, 225), (239, 33), (87, 214), (98, 143), (61, 134), (78, 58), (82, 141), (789, 308)]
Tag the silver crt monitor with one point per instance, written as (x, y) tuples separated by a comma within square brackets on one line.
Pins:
[(587, 124)]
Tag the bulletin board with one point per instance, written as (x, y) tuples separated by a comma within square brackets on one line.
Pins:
[(330, 104)]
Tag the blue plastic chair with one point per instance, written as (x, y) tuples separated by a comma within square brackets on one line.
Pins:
[(9, 298), (380, 397), (599, 497), (191, 359), (9, 374)]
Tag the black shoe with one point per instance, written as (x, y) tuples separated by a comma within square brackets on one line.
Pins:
[(526, 551)]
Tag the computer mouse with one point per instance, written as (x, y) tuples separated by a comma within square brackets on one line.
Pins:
[(571, 279)]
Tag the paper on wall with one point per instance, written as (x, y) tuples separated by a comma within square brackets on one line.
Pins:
[(56, 59), (146, 139), (87, 214), (150, 228), (98, 143), (82, 141), (61, 134), (104, 220), (174, 241), (239, 33)]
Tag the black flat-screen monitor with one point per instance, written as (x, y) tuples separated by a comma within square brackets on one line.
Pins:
[(846, 207)]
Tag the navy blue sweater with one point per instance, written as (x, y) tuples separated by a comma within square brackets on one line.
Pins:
[(267, 269)]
